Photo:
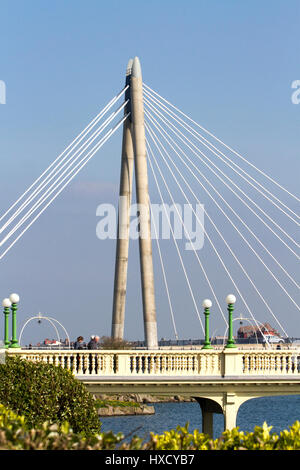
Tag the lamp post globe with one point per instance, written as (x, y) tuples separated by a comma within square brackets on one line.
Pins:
[(206, 303), (6, 303), (230, 299), (14, 298)]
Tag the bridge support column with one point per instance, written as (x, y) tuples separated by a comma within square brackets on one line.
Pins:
[(227, 404), (208, 408), (230, 410), (142, 197), (125, 194)]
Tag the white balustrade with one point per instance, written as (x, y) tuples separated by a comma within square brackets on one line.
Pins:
[(271, 363), (177, 363)]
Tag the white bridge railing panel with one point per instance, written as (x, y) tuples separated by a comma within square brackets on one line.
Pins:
[(271, 363), (155, 363)]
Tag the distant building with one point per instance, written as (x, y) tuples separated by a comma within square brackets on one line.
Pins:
[(51, 342), (249, 331)]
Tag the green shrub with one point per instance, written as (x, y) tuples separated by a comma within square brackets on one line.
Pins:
[(260, 439), (14, 434), (11, 426), (43, 392)]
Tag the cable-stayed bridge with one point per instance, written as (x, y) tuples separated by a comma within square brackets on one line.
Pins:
[(247, 207)]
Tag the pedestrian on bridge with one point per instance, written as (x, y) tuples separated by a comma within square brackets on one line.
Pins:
[(94, 342), (80, 344)]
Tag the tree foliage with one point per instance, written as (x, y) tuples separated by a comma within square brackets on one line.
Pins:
[(43, 392)]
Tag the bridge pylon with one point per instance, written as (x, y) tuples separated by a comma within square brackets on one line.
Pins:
[(134, 154)]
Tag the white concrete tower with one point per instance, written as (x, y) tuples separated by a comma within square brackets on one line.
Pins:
[(125, 194), (142, 196), (134, 149)]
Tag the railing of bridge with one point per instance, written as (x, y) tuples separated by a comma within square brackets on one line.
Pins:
[(274, 363), (203, 363)]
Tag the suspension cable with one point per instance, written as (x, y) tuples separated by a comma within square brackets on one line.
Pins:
[(49, 191), (173, 237), (163, 132), (99, 145), (73, 143), (221, 142), (71, 159), (215, 227), (186, 231), (210, 146), (164, 272), (228, 186), (220, 258)]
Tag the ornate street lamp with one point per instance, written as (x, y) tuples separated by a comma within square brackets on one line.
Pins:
[(51, 320), (230, 300), (14, 298), (206, 305), (6, 304)]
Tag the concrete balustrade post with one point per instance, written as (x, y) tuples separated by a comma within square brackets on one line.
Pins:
[(232, 362), (123, 364)]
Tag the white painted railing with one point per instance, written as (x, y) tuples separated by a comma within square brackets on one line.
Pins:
[(271, 363), (216, 363)]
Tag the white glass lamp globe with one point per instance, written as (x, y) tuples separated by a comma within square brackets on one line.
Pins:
[(230, 299), (6, 303), (14, 298), (206, 303)]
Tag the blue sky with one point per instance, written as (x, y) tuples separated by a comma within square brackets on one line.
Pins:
[(229, 65)]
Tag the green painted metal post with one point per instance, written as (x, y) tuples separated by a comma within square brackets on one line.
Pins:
[(6, 304), (207, 304), (14, 307), (230, 341)]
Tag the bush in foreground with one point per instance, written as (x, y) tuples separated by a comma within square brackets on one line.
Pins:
[(14, 434), (42, 392)]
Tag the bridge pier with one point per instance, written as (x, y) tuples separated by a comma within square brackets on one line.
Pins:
[(230, 410), (208, 408), (227, 404)]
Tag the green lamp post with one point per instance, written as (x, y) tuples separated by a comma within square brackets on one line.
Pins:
[(206, 305), (230, 300), (6, 304), (14, 298)]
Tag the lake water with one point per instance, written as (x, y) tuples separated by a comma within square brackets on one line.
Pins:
[(279, 412)]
